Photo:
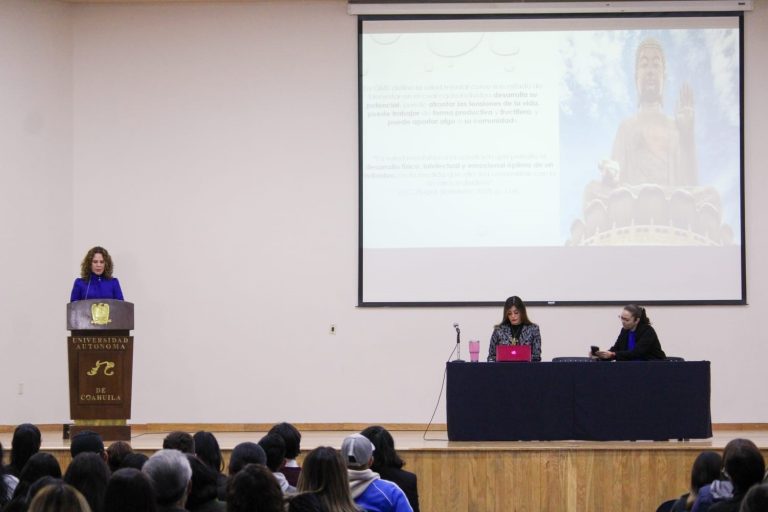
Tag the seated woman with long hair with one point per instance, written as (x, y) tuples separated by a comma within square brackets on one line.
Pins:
[(207, 450), (323, 483), (515, 328), (203, 492), (89, 474), (39, 465)]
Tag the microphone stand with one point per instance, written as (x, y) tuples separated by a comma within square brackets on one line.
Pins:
[(458, 346)]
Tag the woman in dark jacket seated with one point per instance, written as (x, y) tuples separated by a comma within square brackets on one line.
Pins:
[(637, 340), (388, 464)]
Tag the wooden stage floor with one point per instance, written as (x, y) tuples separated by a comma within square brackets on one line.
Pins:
[(572, 476), (152, 439)]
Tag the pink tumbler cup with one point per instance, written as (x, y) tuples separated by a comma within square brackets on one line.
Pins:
[(474, 350)]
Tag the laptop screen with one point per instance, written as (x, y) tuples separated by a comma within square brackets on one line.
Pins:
[(513, 353)]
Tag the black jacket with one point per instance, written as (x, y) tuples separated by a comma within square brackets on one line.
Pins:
[(406, 481), (647, 346)]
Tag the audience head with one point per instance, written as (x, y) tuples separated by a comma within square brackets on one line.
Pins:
[(39, 465), (357, 451), (129, 490), (384, 454), (515, 312), (254, 488), (274, 447), (207, 449), (325, 473), (25, 443), (756, 499), (744, 465), (706, 468), (305, 502), (291, 436), (170, 474), (89, 474), (86, 441), (732, 445), (204, 483), (181, 441), (246, 453), (134, 460), (59, 497), (38, 485), (116, 452)]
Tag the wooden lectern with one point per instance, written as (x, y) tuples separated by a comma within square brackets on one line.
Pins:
[(100, 352)]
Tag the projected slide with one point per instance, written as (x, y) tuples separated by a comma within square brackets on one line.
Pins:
[(551, 158)]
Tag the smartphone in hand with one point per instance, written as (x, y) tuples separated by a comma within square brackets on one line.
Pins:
[(594, 349)]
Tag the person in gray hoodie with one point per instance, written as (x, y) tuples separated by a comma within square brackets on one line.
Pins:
[(368, 490)]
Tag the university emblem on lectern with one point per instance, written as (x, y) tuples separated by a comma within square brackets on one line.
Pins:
[(109, 368), (100, 314)]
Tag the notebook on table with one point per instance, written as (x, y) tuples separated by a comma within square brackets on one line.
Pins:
[(506, 353)]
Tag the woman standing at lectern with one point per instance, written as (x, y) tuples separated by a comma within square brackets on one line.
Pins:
[(96, 281), (515, 329)]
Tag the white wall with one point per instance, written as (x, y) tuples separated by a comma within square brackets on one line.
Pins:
[(35, 205), (214, 152)]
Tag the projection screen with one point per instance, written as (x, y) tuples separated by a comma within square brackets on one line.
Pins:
[(564, 159)]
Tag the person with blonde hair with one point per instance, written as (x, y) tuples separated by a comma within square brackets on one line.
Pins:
[(59, 497)]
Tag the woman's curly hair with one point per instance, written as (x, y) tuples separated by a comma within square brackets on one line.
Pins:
[(85, 266)]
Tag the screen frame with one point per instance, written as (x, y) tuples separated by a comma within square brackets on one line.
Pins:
[(742, 301)]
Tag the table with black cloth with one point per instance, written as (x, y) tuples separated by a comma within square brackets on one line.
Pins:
[(595, 401)]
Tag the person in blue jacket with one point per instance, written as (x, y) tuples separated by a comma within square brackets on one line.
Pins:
[(369, 491), (96, 281)]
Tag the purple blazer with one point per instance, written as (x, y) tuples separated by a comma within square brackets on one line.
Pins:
[(96, 287)]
